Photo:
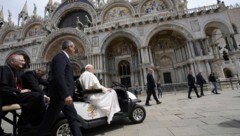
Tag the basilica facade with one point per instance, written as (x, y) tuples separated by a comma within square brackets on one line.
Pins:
[(123, 38)]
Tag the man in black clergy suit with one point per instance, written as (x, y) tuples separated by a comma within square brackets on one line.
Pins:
[(11, 92), (61, 90), (191, 85), (33, 79), (151, 85)]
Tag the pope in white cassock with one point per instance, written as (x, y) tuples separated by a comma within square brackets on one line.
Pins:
[(106, 101)]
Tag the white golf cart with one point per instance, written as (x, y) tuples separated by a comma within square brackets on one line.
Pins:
[(90, 116)]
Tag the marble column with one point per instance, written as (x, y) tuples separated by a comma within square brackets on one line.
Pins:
[(208, 67), (234, 42)]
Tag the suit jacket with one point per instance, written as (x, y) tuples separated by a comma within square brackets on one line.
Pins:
[(62, 83), (200, 79), (8, 81), (191, 80), (150, 82), (31, 81)]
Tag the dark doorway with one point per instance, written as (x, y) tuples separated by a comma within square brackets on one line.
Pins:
[(126, 81), (167, 77)]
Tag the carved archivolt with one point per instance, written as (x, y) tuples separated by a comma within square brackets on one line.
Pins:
[(70, 7), (180, 29), (218, 23), (116, 11), (10, 36), (151, 6), (8, 32), (77, 36), (109, 38), (35, 30)]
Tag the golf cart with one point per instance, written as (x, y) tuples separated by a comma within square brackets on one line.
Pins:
[(90, 116)]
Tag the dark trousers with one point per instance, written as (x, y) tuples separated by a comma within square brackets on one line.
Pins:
[(190, 90), (201, 88), (32, 109), (50, 117), (149, 93)]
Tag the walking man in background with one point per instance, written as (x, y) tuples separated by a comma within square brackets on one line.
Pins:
[(151, 86), (212, 78), (200, 82), (191, 84)]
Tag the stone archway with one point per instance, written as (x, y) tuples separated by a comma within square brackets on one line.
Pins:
[(164, 46), (122, 49), (227, 73)]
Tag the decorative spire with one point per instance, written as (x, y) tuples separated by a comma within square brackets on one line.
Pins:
[(1, 18), (25, 8), (50, 2), (1, 14), (23, 14)]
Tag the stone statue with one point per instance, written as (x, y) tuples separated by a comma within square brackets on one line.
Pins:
[(35, 9), (89, 22), (9, 16), (79, 24)]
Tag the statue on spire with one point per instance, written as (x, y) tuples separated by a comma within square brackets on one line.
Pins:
[(35, 9), (23, 14), (1, 18), (9, 16)]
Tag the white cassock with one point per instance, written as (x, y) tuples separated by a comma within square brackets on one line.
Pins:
[(106, 101)]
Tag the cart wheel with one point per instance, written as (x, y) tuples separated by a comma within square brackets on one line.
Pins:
[(138, 114), (61, 129)]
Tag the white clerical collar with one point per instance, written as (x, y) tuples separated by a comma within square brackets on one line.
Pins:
[(65, 53)]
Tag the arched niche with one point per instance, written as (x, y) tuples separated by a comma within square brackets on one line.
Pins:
[(54, 47)]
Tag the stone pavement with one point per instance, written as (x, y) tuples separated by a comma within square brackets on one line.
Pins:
[(210, 115)]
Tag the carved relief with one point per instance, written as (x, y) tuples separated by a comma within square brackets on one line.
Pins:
[(95, 41), (195, 25), (153, 6), (164, 61), (121, 48), (163, 44), (36, 30), (11, 36), (34, 51), (141, 31), (116, 13)]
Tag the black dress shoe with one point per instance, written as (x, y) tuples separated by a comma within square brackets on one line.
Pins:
[(5, 134), (159, 102), (148, 105), (213, 92), (189, 97), (198, 96), (217, 93)]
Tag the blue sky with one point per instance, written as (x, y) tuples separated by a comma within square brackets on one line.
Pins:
[(15, 6)]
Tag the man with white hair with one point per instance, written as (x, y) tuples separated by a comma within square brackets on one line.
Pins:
[(107, 101), (11, 91)]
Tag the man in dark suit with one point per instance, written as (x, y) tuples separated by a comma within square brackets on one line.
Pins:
[(151, 85), (11, 92), (61, 90), (33, 79), (200, 82), (191, 84)]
